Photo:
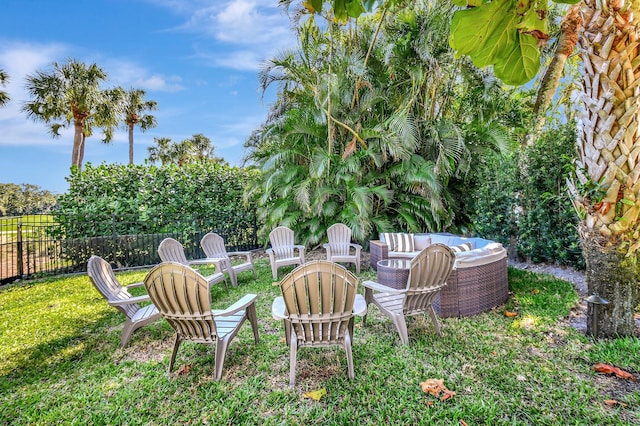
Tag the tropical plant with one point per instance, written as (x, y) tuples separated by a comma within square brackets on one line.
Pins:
[(135, 107), (369, 129), (194, 149), (4, 79), (70, 93)]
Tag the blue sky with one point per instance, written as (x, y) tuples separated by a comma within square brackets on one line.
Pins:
[(198, 59)]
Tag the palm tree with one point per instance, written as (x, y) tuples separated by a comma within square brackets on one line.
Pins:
[(4, 79), (134, 108), (161, 152), (69, 93)]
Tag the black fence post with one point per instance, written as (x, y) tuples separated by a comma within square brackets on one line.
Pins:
[(20, 263)]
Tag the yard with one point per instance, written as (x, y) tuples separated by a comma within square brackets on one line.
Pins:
[(60, 363)]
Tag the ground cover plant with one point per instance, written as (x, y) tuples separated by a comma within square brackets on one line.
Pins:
[(60, 363)]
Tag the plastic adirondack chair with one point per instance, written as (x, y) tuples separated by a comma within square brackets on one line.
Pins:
[(104, 280), (282, 251), (213, 246), (318, 304), (183, 298), (170, 250), (428, 274), (339, 246)]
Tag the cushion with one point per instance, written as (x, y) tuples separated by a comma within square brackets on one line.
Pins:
[(404, 243), (421, 242), (389, 240), (462, 247)]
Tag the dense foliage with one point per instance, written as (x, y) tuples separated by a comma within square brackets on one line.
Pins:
[(531, 211), (16, 200), (372, 126), (116, 200)]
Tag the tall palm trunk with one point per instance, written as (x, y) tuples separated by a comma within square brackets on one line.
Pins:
[(609, 158), (78, 140), (131, 143)]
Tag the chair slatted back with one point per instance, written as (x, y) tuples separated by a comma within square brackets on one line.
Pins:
[(105, 281), (339, 236), (213, 246), (282, 242), (428, 273), (182, 296), (171, 250), (319, 298)]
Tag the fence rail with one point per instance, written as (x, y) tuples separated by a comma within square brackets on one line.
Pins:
[(41, 244)]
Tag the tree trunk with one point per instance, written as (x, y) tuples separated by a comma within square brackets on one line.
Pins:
[(130, 143), (613, 276), (609, 158), (569, 27), (82, 145), (77, 144)]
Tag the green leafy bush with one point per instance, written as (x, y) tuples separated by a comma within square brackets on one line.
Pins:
[(523, 201), (121, 211)]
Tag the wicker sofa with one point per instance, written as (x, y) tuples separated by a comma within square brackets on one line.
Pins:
[(478, 282)]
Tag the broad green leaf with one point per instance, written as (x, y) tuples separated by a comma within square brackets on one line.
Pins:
[(354, 8), (340, 11), (531, 22), (313, 6), (484, 33), (521, 63)]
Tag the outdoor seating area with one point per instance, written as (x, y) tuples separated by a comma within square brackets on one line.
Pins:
[(478, 282)]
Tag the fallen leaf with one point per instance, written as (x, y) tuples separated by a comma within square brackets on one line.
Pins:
[(429, 403), (510, 314), (433, 386), (447, 394), (521, 378), (282, 340), (609, 369), (184, 370), (613, 403), (463, 423), (315, 394), (535, 291), (494, 353)]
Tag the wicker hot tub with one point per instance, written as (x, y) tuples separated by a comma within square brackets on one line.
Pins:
[(478, 282)]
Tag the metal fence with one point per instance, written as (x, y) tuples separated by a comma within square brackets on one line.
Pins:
[(42, 244)]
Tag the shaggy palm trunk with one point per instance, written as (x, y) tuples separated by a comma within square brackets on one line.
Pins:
[(130, 143), (76, 154), (609, 158)]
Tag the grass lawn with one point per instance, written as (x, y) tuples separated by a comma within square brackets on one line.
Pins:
[(60, 363)]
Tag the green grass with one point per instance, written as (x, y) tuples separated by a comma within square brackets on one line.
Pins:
[(60, 363)]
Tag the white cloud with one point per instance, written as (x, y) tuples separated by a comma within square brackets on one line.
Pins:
[(128, 74)]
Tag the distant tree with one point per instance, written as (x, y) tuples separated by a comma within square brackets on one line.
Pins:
[(4, 96), (16, 200), (71, 93), (161, 152), (195, 149), (134, 108)]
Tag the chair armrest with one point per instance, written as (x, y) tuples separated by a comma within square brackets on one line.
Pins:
[(216, 261), (241, 304), (135, 285), (130, 301), (359, 306), (278, 309), (357, 246), (382, 288), (299, 247)]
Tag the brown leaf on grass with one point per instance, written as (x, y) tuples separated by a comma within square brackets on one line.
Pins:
[(609, 369), (184, 370), (315, 394), (510, 314), (613, 403), (437, 388), (463, 423)]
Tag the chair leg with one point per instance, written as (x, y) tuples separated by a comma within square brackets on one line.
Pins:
[(401, 324), (253, 319), (221, 352), (292, 359), (274, 272), (287, 332), (255, 276), (434, 318), (176, 345), (233, 277), (126, 333), (347, 348)]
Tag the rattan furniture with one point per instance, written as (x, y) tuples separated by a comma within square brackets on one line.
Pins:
[(394, 272), (478, 282)]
